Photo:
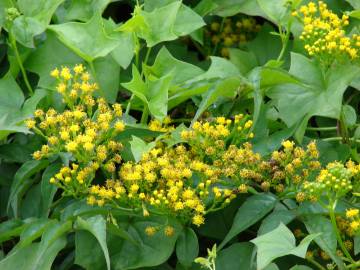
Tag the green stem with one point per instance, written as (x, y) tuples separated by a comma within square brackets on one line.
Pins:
[(145, 114), (18, 59), (128, 107), (321, 128), (337, 233), (284, 40), (353, 265), (315, 263), (221, 29)]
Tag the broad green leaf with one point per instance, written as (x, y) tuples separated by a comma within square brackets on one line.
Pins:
[(96, 225), (163, 23), (354, 3), (108, 77), (36, 17), (48, 190), (139, 147), (153, 93), (327, 240), (88, 40), (166, 63), (22, 181), (238, 256), (226, 8), (277, 10), (317, 96), (32, 232), (187, 21), (83, 10), (88, 252), (43, 60), (355, 14), (187, 247), (273, 220), (224, 88), (152, 251), (219, 68), (357, 245), (11, 228), (278, 243), (265, 46), (300, 267), (42, 10), (124, 52), (349, 115), (25, 28), (39, 255), (250, 212), (243, 60), (11, 95)]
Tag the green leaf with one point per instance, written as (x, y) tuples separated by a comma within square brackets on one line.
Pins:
[(12, 228), (278, 243), (139, 147), (88, 40), (22, 182), (152, 251), (265, 46), (250, 212), (153, 92), (327, 240), (317, 96), (42, 10), (238, 256), (226, 8), (25, 28), (223, 88), (277, 10), (166, 63), (37, 16), (163, 23), (96, 226), (355, 14), (108, 76), (300, 267), (354, 3), (83, 10), (244, 61), (349, 115), (39, 255), (187, 247), (48, 190), (357, 245), (124, 52), (273, 220), (43, 60)]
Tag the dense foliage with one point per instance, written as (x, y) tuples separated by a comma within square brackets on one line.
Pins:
[(168, 134)]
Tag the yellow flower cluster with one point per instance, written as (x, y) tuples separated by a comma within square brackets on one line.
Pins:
[(353, 216), (165, 180), (188, 181), (164, 126), (333, 182), (235, 32), (324, 35), (86, 130)]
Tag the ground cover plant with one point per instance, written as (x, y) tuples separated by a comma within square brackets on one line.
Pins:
[(179, 135)]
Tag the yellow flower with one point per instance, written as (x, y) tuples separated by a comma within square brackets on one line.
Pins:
[(78, 69), (65, 73), (288, 145), (30, 123), (198, 220), (169, 231), (55, 73), (352, 213), (150, 230), (71, 146), (119, 126)]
